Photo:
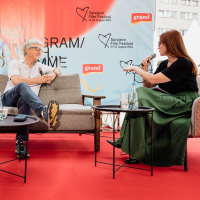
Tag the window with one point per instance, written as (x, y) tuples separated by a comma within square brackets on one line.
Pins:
[(168, 1), (189, 2), (183, 32), (194, 15), (161, 13), (173, 14), (162, 30), (195, 3), (167, 13), (187, 15), (183, 2), (173, 1)]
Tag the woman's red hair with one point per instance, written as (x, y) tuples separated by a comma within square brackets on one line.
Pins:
[(175, 46)]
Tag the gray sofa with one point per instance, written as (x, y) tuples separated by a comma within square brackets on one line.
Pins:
[(73, 116)]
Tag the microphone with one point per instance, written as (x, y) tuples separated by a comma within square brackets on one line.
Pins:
[(153, 55), (42, 73), (40, 70)]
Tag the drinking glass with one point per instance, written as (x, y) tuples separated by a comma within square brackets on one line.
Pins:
[(1, 114)]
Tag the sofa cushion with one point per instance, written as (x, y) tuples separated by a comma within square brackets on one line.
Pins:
[(75, 109), (3, 82), (66, 90)]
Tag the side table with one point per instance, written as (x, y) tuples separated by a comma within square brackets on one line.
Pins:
[(9, 122), (115, 109)]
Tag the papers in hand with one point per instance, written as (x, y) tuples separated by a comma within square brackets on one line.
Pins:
[(161, 90)]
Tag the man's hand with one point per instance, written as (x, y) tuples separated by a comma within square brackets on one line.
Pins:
[(45, 79), (51, 76)]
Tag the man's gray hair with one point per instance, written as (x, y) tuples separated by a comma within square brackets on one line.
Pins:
[(29, 43)]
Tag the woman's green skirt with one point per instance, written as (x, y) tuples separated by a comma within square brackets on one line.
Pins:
[(171, 122)]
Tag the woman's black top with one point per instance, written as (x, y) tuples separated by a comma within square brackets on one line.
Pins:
[(180, 74)]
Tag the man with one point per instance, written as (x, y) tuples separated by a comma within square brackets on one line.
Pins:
[(22, 89)]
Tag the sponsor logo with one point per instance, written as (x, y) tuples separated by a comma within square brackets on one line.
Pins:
[(92, 68), (82, 12), (140, 17), (92, 16), (110, 42), (124, 64), (88, 88), (104, 39)]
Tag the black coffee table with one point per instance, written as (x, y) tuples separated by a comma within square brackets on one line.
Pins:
[(8, 122), (115, 109)]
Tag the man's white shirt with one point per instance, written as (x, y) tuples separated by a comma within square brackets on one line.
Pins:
[(19, 68)]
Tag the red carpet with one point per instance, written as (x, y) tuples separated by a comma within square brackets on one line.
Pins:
[(61, 166)]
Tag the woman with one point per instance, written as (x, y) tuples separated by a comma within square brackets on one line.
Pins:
[(172, 115)]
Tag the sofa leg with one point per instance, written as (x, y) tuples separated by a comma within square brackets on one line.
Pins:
[(97, 130)]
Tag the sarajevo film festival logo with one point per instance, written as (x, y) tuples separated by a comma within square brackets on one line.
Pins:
[(82, 12), (137, 18), (92, 68), (104, 39), (124, 64)]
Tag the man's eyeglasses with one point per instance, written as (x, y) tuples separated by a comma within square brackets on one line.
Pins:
[(159, 43), (37, 49)]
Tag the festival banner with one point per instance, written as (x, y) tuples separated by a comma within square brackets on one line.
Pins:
[(95, 39)]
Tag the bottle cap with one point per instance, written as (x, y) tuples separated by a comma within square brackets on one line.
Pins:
[(133, 83)]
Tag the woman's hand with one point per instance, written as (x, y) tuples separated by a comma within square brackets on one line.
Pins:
[(146, 62), (129, 68)]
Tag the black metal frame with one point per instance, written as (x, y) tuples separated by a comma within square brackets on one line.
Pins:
[(124, 165), (17, 126), (25, 169)]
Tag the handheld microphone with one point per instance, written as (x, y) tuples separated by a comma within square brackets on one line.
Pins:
[(40, 70), (153, 55), (42, 73)]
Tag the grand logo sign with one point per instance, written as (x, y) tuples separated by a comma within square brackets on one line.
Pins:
[(137, 18), (92, 68)]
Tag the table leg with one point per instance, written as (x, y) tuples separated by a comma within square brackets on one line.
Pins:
[(129, 160), (95, 142), (129, 137), (20, 130), (113, 145), (185, 159), (27, 134), (152, 144)]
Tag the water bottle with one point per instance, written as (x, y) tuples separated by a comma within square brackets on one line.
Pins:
[(133, 101)]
